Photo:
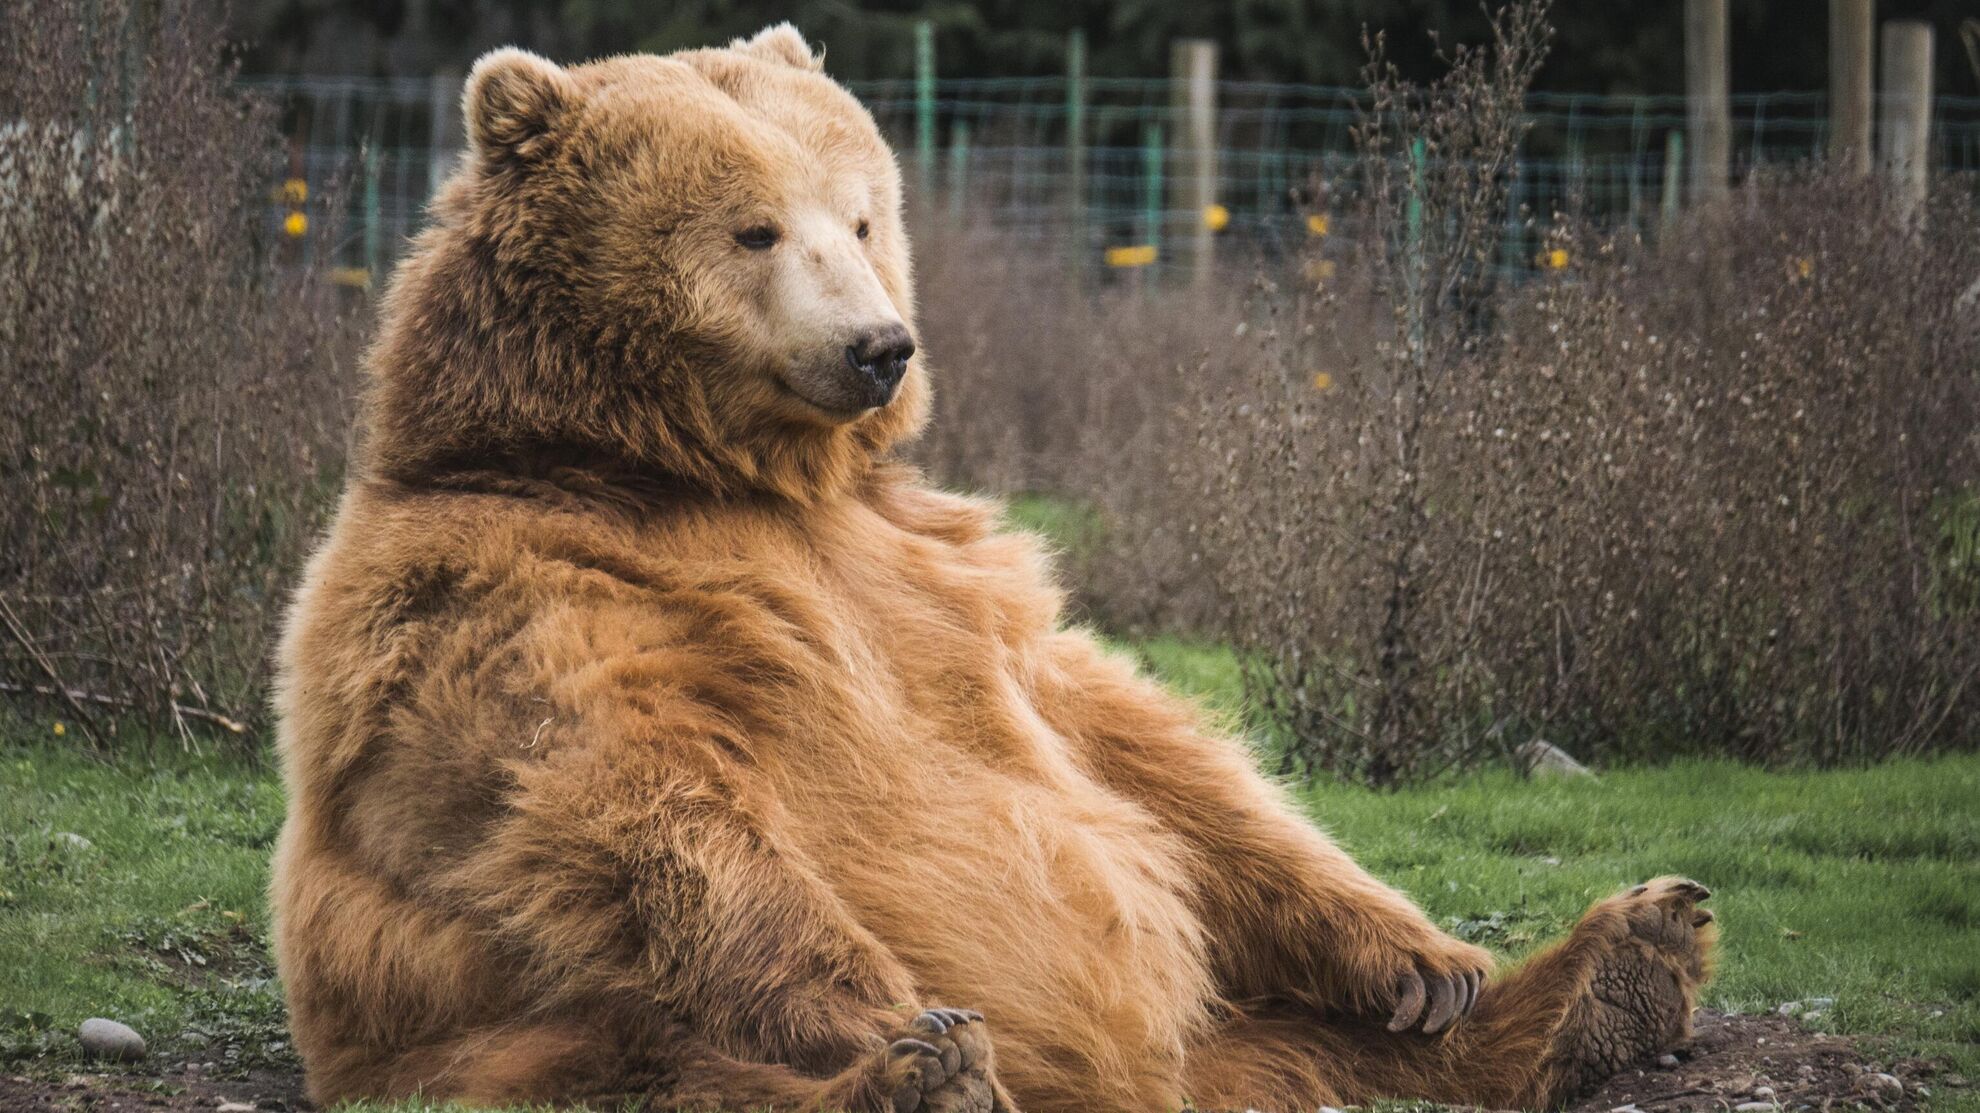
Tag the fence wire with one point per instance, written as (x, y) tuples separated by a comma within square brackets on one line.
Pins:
[(1002, 153)]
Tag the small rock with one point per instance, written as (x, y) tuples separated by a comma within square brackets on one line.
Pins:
[(1791, 1008), (1630, 1108), (1881, 1087), (107, 1039), (1763, 1093), (73, 841), (1754, 1107), (1541, 758), (1328, 1109), (234, 1107), (1667, 1061)]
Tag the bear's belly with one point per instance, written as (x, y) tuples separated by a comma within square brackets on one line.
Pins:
[(1023, 889)]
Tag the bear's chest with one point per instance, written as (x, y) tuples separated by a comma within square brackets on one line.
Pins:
[(930, 787)]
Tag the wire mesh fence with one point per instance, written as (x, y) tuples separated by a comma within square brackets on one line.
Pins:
[(1089, 167)]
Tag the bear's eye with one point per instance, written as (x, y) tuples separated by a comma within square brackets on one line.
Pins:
[(862, 230), (757, 238)]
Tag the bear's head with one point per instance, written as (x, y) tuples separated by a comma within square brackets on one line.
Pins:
[(690, 266)]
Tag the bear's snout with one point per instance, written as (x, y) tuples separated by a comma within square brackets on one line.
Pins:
[(881, 357)]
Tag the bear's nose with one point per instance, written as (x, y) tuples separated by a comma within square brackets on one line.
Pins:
[(882, 355)]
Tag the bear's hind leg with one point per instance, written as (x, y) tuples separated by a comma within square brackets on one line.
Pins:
[(1619, 988)]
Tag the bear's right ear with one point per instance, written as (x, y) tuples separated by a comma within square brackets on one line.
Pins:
[(781, 42), (513, 102)]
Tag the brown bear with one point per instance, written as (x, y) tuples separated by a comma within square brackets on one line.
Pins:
[(650, 735)]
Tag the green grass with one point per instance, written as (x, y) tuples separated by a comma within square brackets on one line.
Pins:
[(1861, 885)]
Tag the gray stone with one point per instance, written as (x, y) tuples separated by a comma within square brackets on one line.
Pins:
[(74, 841), (107, 1039), (1667, 1061), (1763, 1093), (1880, 1085), (1541, 758), (235, 1107), (1754, 1107)]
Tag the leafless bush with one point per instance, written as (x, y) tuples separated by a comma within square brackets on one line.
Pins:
[(1079, 388), (1742, 473), (1362, 650), (1715, 494), (176, 387)]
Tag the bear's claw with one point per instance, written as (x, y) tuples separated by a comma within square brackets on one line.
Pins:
[(1449, 997), (944, 1065)]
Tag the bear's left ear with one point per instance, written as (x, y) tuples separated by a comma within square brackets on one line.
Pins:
[(513, 101), (781, 43)]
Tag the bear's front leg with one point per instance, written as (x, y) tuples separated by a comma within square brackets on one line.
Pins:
[(1290, 915), (1377, 954), (647, 874)]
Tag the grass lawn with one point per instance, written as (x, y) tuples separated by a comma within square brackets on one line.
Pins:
[(137, 891)]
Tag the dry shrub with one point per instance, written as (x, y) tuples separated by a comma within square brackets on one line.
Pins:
[(1719, 497), (1716, 495), (1741, 472), (1050, 380), (1355, 619), (177, 388)]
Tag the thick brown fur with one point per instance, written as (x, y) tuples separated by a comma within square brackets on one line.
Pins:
[(649, 735)]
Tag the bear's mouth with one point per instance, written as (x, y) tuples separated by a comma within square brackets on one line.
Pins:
[(839, 412)]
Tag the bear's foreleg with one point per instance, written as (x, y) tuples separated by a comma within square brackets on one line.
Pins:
[(645, 875), (1291, 916)]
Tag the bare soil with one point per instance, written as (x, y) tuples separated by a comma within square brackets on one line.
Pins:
[(1733, 1061), (183, 1086)]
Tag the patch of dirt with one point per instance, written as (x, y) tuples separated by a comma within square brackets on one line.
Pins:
[(1733, 1061), (1769, 1062), (182, 1088)]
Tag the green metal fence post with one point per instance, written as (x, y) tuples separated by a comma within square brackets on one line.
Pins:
[(373, 260), (1414, 212), (1152, 154), (958, 166), (924, 102), (1512, 248), (1415, 261)]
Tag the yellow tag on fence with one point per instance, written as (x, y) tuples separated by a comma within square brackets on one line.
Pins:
[(1138, 255)]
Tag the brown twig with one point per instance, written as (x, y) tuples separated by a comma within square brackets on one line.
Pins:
[(75, 696), (83, 718)]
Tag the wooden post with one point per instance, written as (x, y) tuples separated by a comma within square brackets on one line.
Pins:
[(443, 135), (1076, 137), (924, 103), (1849, 85), (1904, 126), (1193, 104), (1707, 100)]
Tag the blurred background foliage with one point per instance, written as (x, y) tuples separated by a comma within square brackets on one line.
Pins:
[(1601, 46)]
